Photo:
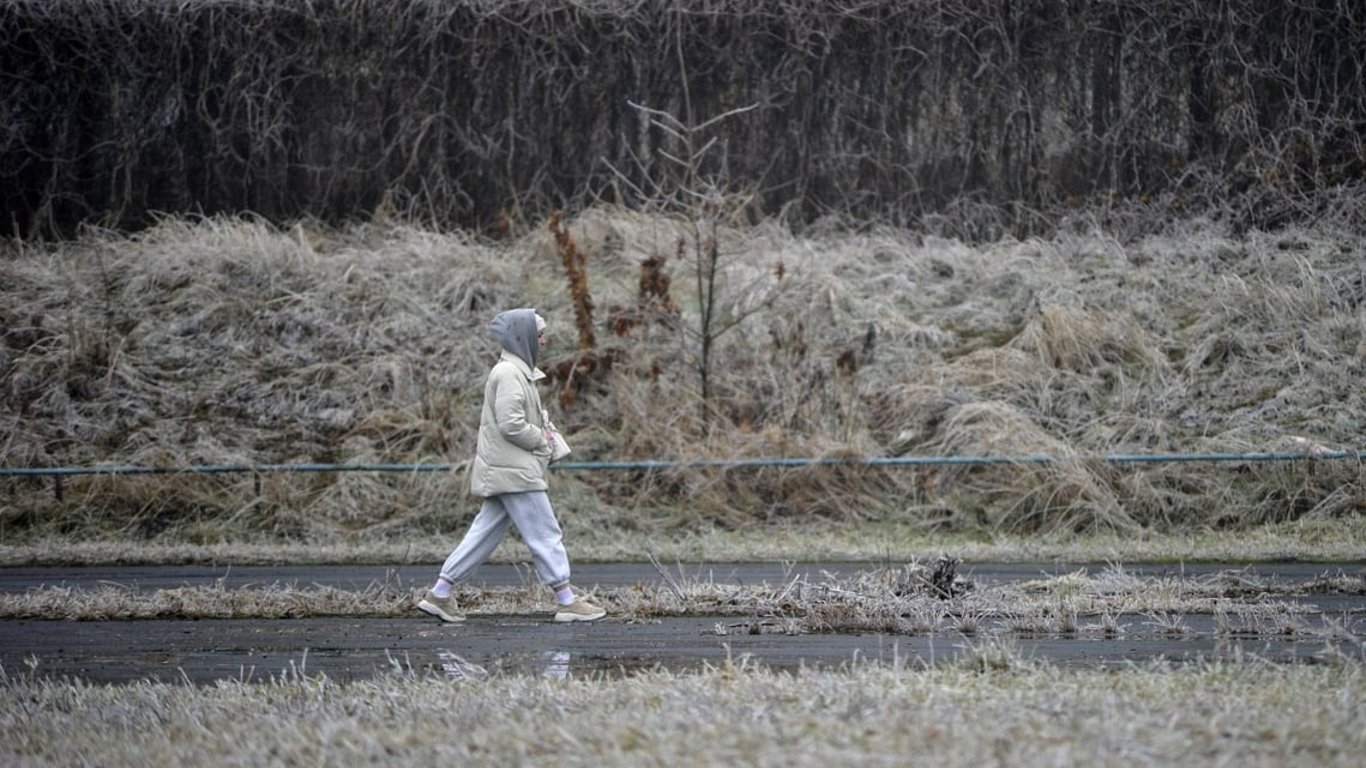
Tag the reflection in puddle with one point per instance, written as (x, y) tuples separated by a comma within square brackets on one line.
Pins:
[(550, 664), (457, 668), (555, 664)]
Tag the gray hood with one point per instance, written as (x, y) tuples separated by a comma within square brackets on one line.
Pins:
[(515, 329)]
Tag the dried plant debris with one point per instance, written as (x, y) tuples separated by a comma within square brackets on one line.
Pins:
[(941, 580)]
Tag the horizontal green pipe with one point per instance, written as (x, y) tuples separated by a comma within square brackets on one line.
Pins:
[(872, 461)]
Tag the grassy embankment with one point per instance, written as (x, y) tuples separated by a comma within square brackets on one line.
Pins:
[(233, 342)]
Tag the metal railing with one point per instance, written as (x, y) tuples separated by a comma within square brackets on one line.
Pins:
[(60, 473), (572, 466)]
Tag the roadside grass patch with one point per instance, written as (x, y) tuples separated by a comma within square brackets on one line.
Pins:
[(990, 709)]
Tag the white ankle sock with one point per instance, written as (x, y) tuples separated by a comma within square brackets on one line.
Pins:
[(442, 589), (564, 595)]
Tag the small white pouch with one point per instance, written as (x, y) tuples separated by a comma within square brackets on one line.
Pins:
[(558, 447)]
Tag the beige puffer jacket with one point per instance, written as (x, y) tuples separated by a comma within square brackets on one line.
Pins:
[(512, 455)]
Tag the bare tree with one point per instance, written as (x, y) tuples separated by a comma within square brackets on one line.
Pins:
[(702, 200), (965, 118)]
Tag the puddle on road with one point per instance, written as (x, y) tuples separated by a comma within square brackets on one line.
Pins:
[(208, 667), (349, 649), (1060, 652), (1139, 640), (554, 665)]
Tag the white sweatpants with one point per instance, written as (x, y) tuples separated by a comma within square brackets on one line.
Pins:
[(535, 520)]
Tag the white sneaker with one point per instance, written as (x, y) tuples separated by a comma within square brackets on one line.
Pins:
[(444, 608), (579, 610)]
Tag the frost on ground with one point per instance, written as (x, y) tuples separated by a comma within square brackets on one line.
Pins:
[(995, 710)]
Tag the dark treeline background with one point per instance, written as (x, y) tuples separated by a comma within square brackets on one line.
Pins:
[(981, 117)]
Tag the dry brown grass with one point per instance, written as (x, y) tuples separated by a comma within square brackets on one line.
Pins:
[(231, 341)]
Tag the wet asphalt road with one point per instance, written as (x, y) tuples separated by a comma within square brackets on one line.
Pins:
[(348, 648)]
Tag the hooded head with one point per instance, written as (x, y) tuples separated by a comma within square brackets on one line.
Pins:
[(518, 330)]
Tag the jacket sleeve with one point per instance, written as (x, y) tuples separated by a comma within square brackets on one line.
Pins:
[(511, 413)]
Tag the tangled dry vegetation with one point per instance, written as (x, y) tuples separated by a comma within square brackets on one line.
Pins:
[(1007, 713), (231, 341)]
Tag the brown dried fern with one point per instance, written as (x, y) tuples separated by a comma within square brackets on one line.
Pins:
[(578, 279)]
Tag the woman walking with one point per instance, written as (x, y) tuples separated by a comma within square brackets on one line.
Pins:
[(509, 473)]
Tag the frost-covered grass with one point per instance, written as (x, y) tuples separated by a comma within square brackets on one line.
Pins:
[(230, 341), (993, 709)]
